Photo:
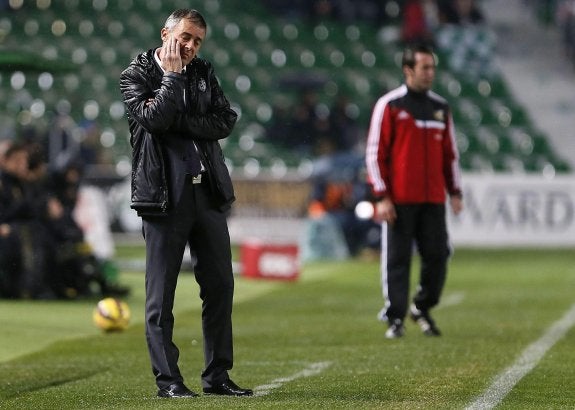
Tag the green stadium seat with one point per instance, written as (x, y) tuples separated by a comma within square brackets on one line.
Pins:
[(252, 52)]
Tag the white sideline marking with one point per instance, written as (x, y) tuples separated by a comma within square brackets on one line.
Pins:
[(311, 370), (452, 299), (507, 379)]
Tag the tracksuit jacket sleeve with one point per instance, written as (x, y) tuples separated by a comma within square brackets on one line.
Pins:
[(451, 170), (378, 150)]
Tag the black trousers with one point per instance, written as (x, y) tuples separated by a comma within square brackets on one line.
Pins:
[(195, 221), (425, 226)]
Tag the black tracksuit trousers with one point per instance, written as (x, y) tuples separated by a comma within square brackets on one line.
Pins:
[(425, 226)]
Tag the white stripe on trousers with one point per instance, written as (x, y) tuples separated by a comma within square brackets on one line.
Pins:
[(384, 284)]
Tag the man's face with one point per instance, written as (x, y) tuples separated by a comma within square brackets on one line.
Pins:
[(17, 164), (421, 76), (189, 36)]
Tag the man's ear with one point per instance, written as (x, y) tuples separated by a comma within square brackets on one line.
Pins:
[(406, 70), (164, 34)]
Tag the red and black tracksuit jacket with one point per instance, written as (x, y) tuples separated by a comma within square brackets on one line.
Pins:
[(411, 153), (412, 158)]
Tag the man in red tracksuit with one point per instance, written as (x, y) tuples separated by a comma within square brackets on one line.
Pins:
[(412, 162)]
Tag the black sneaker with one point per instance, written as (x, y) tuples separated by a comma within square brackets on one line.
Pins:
[(424, 320), (395, 330)]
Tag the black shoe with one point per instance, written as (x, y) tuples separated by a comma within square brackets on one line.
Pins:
[(424, 320), (396, 329), (228, 388), (176, 390)]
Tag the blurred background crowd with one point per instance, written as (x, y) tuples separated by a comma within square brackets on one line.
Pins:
[(43, 252), (303, 77)]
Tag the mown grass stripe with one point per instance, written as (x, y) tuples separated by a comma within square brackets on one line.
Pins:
[(507, 379)]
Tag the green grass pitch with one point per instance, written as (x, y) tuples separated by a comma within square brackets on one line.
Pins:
[(314, 343)]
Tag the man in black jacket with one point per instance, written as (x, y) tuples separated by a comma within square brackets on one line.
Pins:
[(181, 188)]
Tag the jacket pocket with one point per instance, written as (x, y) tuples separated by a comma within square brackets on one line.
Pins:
[(223, 179)]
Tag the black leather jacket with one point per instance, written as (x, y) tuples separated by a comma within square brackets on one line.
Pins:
[(165, 110)]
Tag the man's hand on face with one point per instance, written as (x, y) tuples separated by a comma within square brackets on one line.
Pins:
[(171, 59)]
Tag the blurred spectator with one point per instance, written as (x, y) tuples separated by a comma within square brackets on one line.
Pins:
[(460, 12), (91, 150), (291, 9), (338, 187), (321, 10), (344, 129), (78, 269), (565, 17), (297, 128), (279, 131), (4, 145), (25, 243), (311, 128), (420, 19), (38, 275), (374, 11), (43, 254), (67, 140), (305, 121), (15, 214), (347, 11)]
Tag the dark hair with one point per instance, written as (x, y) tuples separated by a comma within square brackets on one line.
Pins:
[(409, 52), (36, 156), (14, 148), (191, 14)]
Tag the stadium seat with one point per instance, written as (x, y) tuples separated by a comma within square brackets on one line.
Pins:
[(255, 54)]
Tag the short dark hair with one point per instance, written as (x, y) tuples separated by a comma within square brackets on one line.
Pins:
[(409, 52), (191, 14)]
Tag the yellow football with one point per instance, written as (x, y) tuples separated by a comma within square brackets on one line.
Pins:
[(111, 314)]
